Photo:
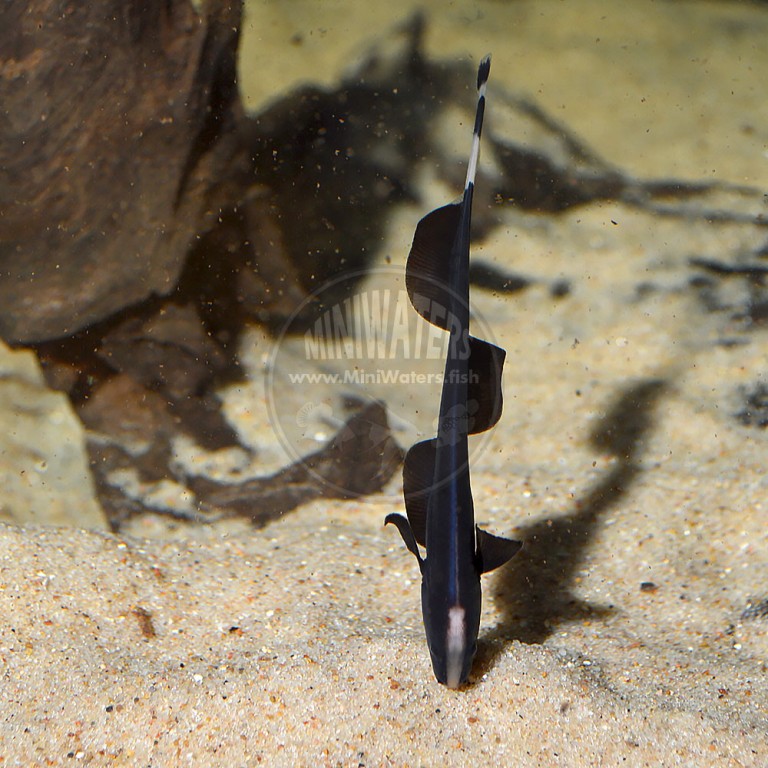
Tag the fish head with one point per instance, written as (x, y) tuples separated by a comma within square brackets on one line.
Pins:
[(451, 628)]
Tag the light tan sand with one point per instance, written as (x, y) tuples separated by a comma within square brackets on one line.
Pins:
[(302, 644), (296, 648)]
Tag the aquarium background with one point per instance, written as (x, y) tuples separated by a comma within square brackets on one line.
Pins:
[(193, 555)]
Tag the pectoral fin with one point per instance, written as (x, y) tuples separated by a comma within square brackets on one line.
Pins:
[(405, 531), (493, 551)]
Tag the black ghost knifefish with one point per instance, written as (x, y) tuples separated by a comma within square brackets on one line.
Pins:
[(436, 487)]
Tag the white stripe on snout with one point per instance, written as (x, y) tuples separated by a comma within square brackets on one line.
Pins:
[(456, 646)]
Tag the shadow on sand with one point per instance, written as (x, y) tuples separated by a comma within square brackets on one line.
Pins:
[(533, 592)]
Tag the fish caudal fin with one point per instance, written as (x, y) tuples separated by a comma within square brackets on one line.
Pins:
[(483, 72), (428, 271)]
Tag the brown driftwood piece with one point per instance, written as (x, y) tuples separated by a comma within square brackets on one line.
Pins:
[(115, 132)]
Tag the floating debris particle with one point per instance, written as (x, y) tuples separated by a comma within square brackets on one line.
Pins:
[(755, 609)]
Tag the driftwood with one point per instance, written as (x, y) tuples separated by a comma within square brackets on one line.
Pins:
[(116, 130)]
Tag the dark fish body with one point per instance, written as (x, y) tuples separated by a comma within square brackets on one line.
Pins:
[(436, 482)]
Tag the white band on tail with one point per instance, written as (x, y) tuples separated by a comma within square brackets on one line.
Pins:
[(482, 81)]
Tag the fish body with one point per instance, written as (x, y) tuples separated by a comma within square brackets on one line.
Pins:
[(436, 481)]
